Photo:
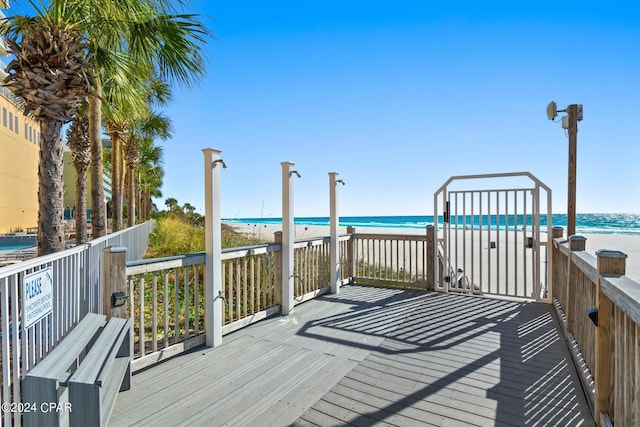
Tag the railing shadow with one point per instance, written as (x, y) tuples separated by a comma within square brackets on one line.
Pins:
[(499, 359)]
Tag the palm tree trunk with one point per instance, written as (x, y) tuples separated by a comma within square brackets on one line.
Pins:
[(139, 198), (143, 206), (131, 209), (81, 206), (123, 176), (116, 187), (98, 208), (145, 203), (50, 189)]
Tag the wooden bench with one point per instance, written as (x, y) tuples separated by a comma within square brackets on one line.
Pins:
[(77, 382)]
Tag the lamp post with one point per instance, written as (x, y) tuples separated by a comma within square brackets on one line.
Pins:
[(569, 122)]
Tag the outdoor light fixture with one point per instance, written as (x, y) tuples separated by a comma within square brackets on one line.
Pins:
[(118, 299), (552, 110), (593, 315), (569, 122), (552, 113)]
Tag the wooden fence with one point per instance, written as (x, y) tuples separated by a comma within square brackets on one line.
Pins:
[(600, 311), (167, 302), (394, 259)]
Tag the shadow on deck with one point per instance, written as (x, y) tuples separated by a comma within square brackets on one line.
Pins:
[(372, 356)]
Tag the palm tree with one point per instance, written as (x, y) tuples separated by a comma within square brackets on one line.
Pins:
[(63, 54), (147, 129), (117, 132), (150, 175), (128, 119), (50, 72), (150, 184), (78, 142), (156, 39)]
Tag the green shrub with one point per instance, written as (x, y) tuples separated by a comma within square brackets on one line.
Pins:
[(174, 236)]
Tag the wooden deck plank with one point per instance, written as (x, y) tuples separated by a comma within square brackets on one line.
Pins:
[(176, 394), (328, 413), (295, 401), (216, 393), (490, 372), (451, 356), (457, 393), (255, 396), (392, 395), (464, 380), (149, 381), (414, 412), (372, 356)]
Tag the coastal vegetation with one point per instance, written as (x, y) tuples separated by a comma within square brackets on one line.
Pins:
[(119, 60), (180, 230)]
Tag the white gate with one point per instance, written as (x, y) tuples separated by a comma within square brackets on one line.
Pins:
[(492, 240)]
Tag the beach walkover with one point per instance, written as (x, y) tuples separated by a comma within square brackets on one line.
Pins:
[(373, 356), (488, 319)]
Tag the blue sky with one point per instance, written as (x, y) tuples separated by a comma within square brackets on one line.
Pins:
[(397, 96)]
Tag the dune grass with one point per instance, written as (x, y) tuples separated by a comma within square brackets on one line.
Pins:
[(174, 236)]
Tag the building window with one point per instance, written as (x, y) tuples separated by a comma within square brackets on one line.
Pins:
[(4, 116), (17, 128), (10, 120), (26, 130), (30, 134)]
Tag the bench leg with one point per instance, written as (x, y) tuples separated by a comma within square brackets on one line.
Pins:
[(40, 391), (125, 351), (86, 410), (126, 381)]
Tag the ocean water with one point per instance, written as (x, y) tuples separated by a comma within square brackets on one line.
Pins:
[(585, 223), (11, 248)]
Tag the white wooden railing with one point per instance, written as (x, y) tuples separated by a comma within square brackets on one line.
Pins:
[(77, 290), (393, 259), (167, 304)]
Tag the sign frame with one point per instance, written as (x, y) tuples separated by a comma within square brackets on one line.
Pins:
[(37, 296)]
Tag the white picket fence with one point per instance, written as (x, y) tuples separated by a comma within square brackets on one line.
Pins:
[(76, 291)]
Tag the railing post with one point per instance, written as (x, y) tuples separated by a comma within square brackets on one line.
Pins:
[(288, 233), (277, 237), (114, 291), (351, 254), (609, 263), (576, 244), (213, 310), (557, 232), (431, 262), (333, 232)]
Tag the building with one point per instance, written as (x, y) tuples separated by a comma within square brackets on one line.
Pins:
[(69, 176), (19, 152), (19, 158)]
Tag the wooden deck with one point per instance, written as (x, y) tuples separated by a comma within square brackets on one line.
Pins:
[(372, 356)]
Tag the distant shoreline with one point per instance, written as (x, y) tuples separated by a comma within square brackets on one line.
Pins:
[(625, 224), (627, 243)]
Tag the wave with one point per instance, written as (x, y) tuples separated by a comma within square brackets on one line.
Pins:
[(585, 223)]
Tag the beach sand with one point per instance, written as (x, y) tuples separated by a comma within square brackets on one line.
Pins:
[(629, 244)]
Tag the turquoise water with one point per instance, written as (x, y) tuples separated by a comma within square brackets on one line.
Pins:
[(12, 248), (585, 223)]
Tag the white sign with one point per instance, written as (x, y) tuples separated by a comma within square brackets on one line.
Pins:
[(38, 296)]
